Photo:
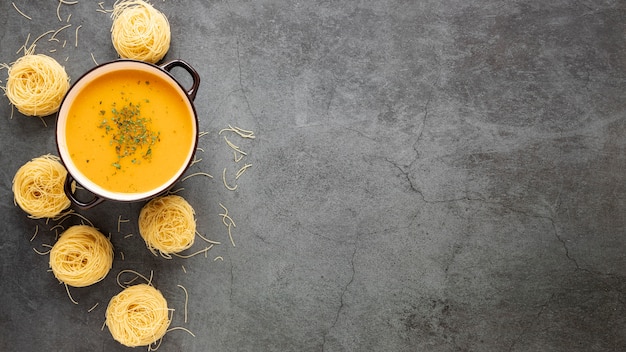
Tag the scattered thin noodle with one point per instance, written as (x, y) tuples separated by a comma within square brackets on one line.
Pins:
[(231, 188), (23, 47), (241, 171), (181, 328), (195, 161), (38, 187), (187, 256), (206, 239), (157, 344), (29, 49), (139, 31), (20, 12), (240, 131), (230, 236), (76, 36), (228, 224), (137, 275), (234, 147), (225, 217), (219, 257), (61, 218), (130, 281), (66, 215), (176, 190), (53, 36), (67, 289), (196, 174), (35, 234), (57, 226), (186, 299), (93, 307), (58, 10), (43, 253), (120, 221), (59, 7)]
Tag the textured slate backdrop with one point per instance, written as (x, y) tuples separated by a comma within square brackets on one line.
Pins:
[(427, 176)]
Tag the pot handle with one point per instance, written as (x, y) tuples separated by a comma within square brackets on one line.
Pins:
[(191, 93), (83, 205)]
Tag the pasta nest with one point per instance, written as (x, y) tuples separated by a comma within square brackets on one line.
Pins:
[(167, 225), (38, 187), (81, 257), (36, 85), (139, 31), (138, 316)]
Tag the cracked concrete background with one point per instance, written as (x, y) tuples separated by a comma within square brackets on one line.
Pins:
[(427, 176)]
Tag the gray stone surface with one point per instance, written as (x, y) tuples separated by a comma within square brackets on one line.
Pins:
[(427, 176)]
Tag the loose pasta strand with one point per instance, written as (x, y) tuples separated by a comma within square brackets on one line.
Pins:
[(228, 222), (234, 147), (228, 187), (240, 131), (137, 275), (187, 256), (20, 12), (242, 170), (67, 289), (186, 299), (196, 174)]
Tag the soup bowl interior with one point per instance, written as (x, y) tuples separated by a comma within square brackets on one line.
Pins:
[(77, 166)]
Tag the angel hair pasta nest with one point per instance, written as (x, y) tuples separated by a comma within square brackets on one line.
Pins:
[(139, 31), (167, 224), (138, 316), (38, 187), (36, 85), (81, 257)]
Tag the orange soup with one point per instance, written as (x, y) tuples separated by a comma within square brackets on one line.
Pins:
[(129, 131)]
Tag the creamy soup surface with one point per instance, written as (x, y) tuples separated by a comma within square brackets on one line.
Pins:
[(129, 131)]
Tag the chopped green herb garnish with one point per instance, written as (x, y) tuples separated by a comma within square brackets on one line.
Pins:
[(130, 133)]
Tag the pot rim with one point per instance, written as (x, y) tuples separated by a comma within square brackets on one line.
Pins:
[(74, 174)]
